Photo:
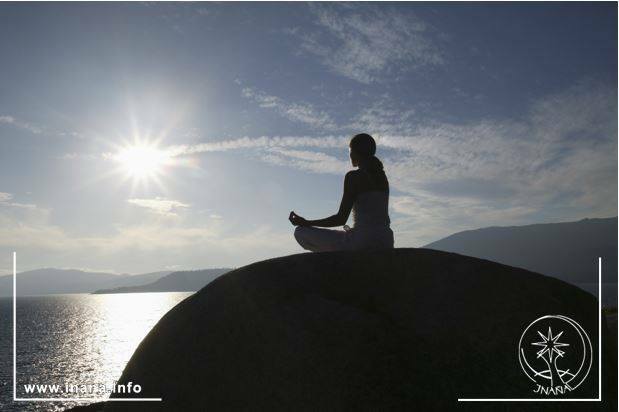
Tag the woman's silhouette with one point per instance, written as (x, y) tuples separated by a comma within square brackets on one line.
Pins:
[(366, 193)]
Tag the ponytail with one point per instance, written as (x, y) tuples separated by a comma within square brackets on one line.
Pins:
[(364, 146), (372, 164)]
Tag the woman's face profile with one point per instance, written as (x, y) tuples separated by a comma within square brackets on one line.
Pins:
[(353, 158)]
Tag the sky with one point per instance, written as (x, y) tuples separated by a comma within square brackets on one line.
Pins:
[(485, 115)]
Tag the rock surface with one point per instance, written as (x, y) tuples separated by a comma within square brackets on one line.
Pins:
[(402, 329)]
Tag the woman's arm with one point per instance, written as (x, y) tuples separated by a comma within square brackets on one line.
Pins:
[(340, 218)]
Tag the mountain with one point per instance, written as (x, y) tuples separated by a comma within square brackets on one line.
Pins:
[(52, 281), (186, 281), (390, 330), (567, 251)]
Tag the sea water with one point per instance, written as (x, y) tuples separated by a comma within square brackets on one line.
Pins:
[(73, 345)]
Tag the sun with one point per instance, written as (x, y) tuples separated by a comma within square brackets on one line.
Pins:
[(142, 161)]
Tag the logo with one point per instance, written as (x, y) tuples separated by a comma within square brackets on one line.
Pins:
[(555, 352)]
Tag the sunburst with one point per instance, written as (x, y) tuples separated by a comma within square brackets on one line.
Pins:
[(142, 162)]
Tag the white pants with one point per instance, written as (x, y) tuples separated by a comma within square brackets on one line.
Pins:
[(318, 239)]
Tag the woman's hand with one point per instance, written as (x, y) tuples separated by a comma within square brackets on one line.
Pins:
[(297, 220)]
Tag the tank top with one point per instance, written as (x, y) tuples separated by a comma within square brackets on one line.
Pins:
[(371, 210)]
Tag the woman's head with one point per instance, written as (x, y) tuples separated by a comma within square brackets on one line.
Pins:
[(362, 151), (362, 146)]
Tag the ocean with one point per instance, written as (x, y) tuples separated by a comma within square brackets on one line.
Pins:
[(73, 345)]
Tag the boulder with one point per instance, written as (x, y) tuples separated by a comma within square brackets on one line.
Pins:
[(401, 329)]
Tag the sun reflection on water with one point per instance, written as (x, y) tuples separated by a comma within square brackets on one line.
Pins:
[(125, 321), (83, 339)]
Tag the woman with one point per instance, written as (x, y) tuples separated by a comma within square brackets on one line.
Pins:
[(366, 193)]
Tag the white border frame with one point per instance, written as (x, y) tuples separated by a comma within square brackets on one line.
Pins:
[(82, 399), (599, 398)]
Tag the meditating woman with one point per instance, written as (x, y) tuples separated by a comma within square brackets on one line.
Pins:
[(366, 193)]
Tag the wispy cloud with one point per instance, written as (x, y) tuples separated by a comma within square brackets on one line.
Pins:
[(263, 142), (12, 121), (559, 157), (81, 156), (5, 197), (203, 11), (297, 112), (383, 116), (310, 161), (189, 244), (160, 206), (367, 43), (6, 200), (423, 217)]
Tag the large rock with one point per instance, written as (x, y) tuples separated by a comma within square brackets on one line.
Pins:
[(398, 329)]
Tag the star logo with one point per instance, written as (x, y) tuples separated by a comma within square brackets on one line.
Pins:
[(550, 345), (556, 353)]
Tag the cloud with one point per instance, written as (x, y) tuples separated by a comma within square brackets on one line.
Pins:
[(203, 11), (296, 112), (7, 119), (160, 206), (423, 217), (139, 248), (35, 129), (5, 200), (380, 116), (11, 120), (23, 205), (84, 156), (263, 142), (383, 116), (310, 161), (557, 161), (366, 43)]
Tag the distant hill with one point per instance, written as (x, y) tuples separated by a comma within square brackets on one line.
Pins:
[(567, 251), (186, 281), (52, 281)]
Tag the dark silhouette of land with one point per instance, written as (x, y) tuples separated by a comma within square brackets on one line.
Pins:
[(52, 281), (567, 251), (401, 329), (185, 281)]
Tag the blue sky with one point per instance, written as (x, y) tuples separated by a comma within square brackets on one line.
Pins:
[(484, 115)]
